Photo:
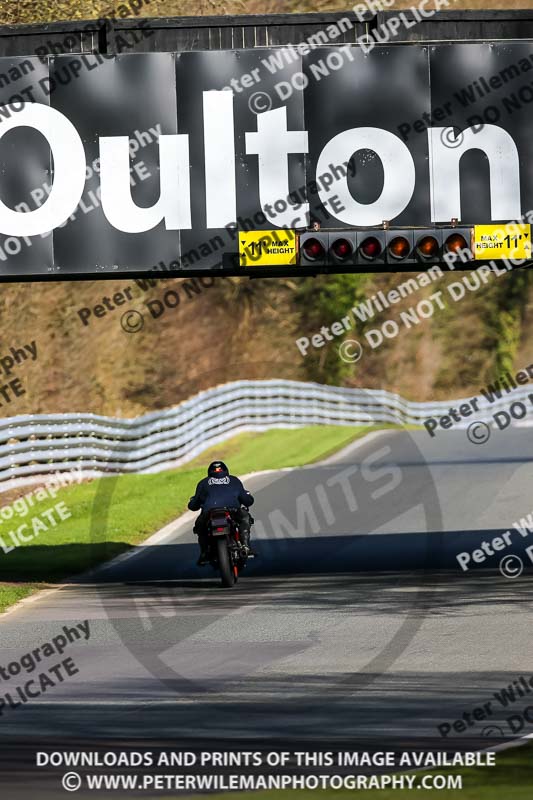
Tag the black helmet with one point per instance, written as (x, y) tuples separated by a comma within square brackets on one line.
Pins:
[(217, 470)]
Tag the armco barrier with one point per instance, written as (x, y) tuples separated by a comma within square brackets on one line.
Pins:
[(32, 445)]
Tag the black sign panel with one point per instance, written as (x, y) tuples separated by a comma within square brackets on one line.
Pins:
[(129, 96), (225, 173), (143, 161), (484, 93), (360, 104)]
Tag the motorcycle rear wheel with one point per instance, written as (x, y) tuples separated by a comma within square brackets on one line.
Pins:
[(224, 563)]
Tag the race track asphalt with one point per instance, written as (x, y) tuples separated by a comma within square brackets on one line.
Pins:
[(356, 623)]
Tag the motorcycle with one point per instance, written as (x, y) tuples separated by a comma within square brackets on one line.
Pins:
[(226, 550)]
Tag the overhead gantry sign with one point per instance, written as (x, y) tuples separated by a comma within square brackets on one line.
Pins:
[(154, 161)]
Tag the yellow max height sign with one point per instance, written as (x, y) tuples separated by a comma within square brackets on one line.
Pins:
[(268, 248), (502, 241)]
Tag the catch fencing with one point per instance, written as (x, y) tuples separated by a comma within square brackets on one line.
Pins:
[(34, 445)]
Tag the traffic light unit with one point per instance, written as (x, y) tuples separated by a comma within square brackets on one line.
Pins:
[(382, 247)]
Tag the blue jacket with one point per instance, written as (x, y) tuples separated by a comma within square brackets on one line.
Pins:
[(223, 492)]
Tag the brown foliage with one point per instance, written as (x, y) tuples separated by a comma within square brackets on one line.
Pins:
[(26, 11), (102, 369)]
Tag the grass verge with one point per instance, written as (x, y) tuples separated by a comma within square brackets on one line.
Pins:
[(140, 505)]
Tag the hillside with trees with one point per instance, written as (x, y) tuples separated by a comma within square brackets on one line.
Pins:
[(243, 329)]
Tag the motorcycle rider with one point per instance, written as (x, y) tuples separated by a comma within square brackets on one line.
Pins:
[(221, 490)]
